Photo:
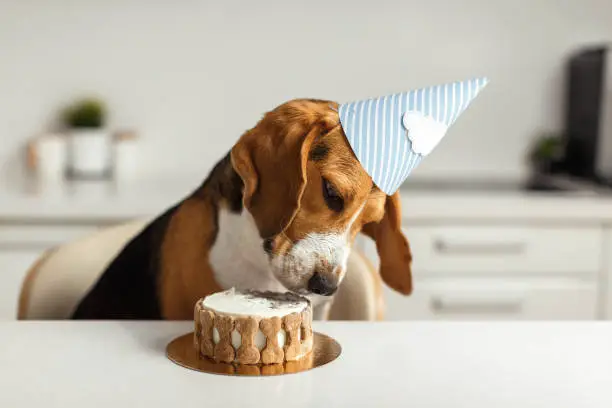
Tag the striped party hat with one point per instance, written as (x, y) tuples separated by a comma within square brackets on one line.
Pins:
[(390, 135)]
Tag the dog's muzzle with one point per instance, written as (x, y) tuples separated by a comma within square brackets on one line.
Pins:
[(305, 270)]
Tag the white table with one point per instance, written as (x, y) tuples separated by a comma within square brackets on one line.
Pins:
[(122, 364)]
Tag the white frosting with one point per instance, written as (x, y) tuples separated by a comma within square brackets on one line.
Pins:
[(236, 339), (216, 336), (260, 338), (245, 304), (281, 336)]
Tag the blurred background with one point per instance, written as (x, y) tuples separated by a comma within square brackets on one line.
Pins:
[(113, 110)]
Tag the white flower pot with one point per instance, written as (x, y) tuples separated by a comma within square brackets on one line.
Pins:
[(90, 152), (126, 160), (50, 152)]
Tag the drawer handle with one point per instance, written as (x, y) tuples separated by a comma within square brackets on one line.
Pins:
[(492, 248), (510, 305)]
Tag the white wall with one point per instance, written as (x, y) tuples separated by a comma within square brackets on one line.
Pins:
[(191, 76)]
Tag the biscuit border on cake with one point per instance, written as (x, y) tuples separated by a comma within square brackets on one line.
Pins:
[(214, 332)]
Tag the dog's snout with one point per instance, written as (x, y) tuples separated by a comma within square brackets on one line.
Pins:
[(319, 284)]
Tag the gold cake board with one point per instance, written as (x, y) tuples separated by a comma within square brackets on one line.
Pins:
[(183, 352)]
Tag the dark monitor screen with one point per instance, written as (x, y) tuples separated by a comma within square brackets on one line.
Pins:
[(583, 105)]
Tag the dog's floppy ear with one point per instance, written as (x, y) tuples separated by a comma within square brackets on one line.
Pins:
[(271, 160), (392, 246)]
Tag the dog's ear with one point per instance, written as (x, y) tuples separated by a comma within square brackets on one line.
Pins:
[(392, 246), (271, 160)]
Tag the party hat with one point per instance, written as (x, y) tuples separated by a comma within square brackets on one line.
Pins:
[(390, 135)]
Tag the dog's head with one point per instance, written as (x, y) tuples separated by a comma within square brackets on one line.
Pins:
[(309, 197)]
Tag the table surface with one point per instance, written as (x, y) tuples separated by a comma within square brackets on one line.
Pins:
[(425, 364)]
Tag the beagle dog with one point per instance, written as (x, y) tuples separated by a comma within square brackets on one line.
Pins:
[(279, 212)]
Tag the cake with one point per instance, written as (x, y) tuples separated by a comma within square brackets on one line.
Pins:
[(251, 327)]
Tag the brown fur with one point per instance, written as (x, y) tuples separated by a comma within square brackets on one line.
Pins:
[(186, 274), (392, 246)]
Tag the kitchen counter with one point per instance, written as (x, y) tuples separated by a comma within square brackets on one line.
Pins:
[(505, 206), (565, 200), (104, 364), (92, 200), (420, 201)]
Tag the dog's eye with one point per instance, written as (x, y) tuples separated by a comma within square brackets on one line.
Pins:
[(331, 196)]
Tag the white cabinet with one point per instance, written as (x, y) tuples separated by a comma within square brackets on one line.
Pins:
[(506, 249), (606, 276), (501, 271), (495, 299)]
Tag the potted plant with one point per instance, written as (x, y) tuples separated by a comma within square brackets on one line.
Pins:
[(89, 142), (547, 150)]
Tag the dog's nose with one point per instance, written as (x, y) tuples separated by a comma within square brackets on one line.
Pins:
[(321, 285)]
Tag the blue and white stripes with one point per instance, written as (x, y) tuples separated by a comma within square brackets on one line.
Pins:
[(376, 132)]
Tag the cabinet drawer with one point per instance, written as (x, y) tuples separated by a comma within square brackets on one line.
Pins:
[(474, 299), (40, 235), (505, 249)]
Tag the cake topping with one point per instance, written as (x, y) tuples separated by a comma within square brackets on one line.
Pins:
[(255, 303)]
